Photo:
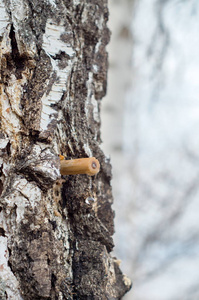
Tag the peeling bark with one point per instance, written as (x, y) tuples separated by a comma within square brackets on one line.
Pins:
[(55, 235)]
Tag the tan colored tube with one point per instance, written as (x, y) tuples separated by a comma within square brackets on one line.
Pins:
[(89, 166)]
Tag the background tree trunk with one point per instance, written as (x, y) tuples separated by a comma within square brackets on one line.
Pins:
[(55, 236)]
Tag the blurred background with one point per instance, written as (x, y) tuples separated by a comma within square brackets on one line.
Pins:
[(150, 129)]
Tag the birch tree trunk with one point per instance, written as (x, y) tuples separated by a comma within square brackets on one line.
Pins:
[(55, 235)]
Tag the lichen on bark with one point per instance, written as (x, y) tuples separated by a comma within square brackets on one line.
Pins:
[(56, 236)]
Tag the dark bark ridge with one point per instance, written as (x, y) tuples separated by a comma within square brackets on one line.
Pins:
[(58, 234)]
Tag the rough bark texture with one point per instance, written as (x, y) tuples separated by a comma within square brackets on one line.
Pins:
[(55, 235)]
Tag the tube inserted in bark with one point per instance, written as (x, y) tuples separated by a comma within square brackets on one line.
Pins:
[(89, 166)]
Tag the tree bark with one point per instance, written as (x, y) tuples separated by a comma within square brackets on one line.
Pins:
[(55, 235)]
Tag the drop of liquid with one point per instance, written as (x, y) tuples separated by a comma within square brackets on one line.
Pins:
[(94, 165)]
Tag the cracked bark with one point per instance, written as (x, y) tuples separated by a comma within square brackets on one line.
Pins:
[(55, 235)]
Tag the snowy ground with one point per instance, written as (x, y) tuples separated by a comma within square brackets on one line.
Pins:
[(155, 122)]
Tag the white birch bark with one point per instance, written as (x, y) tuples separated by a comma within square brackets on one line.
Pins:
[(55, 235)]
